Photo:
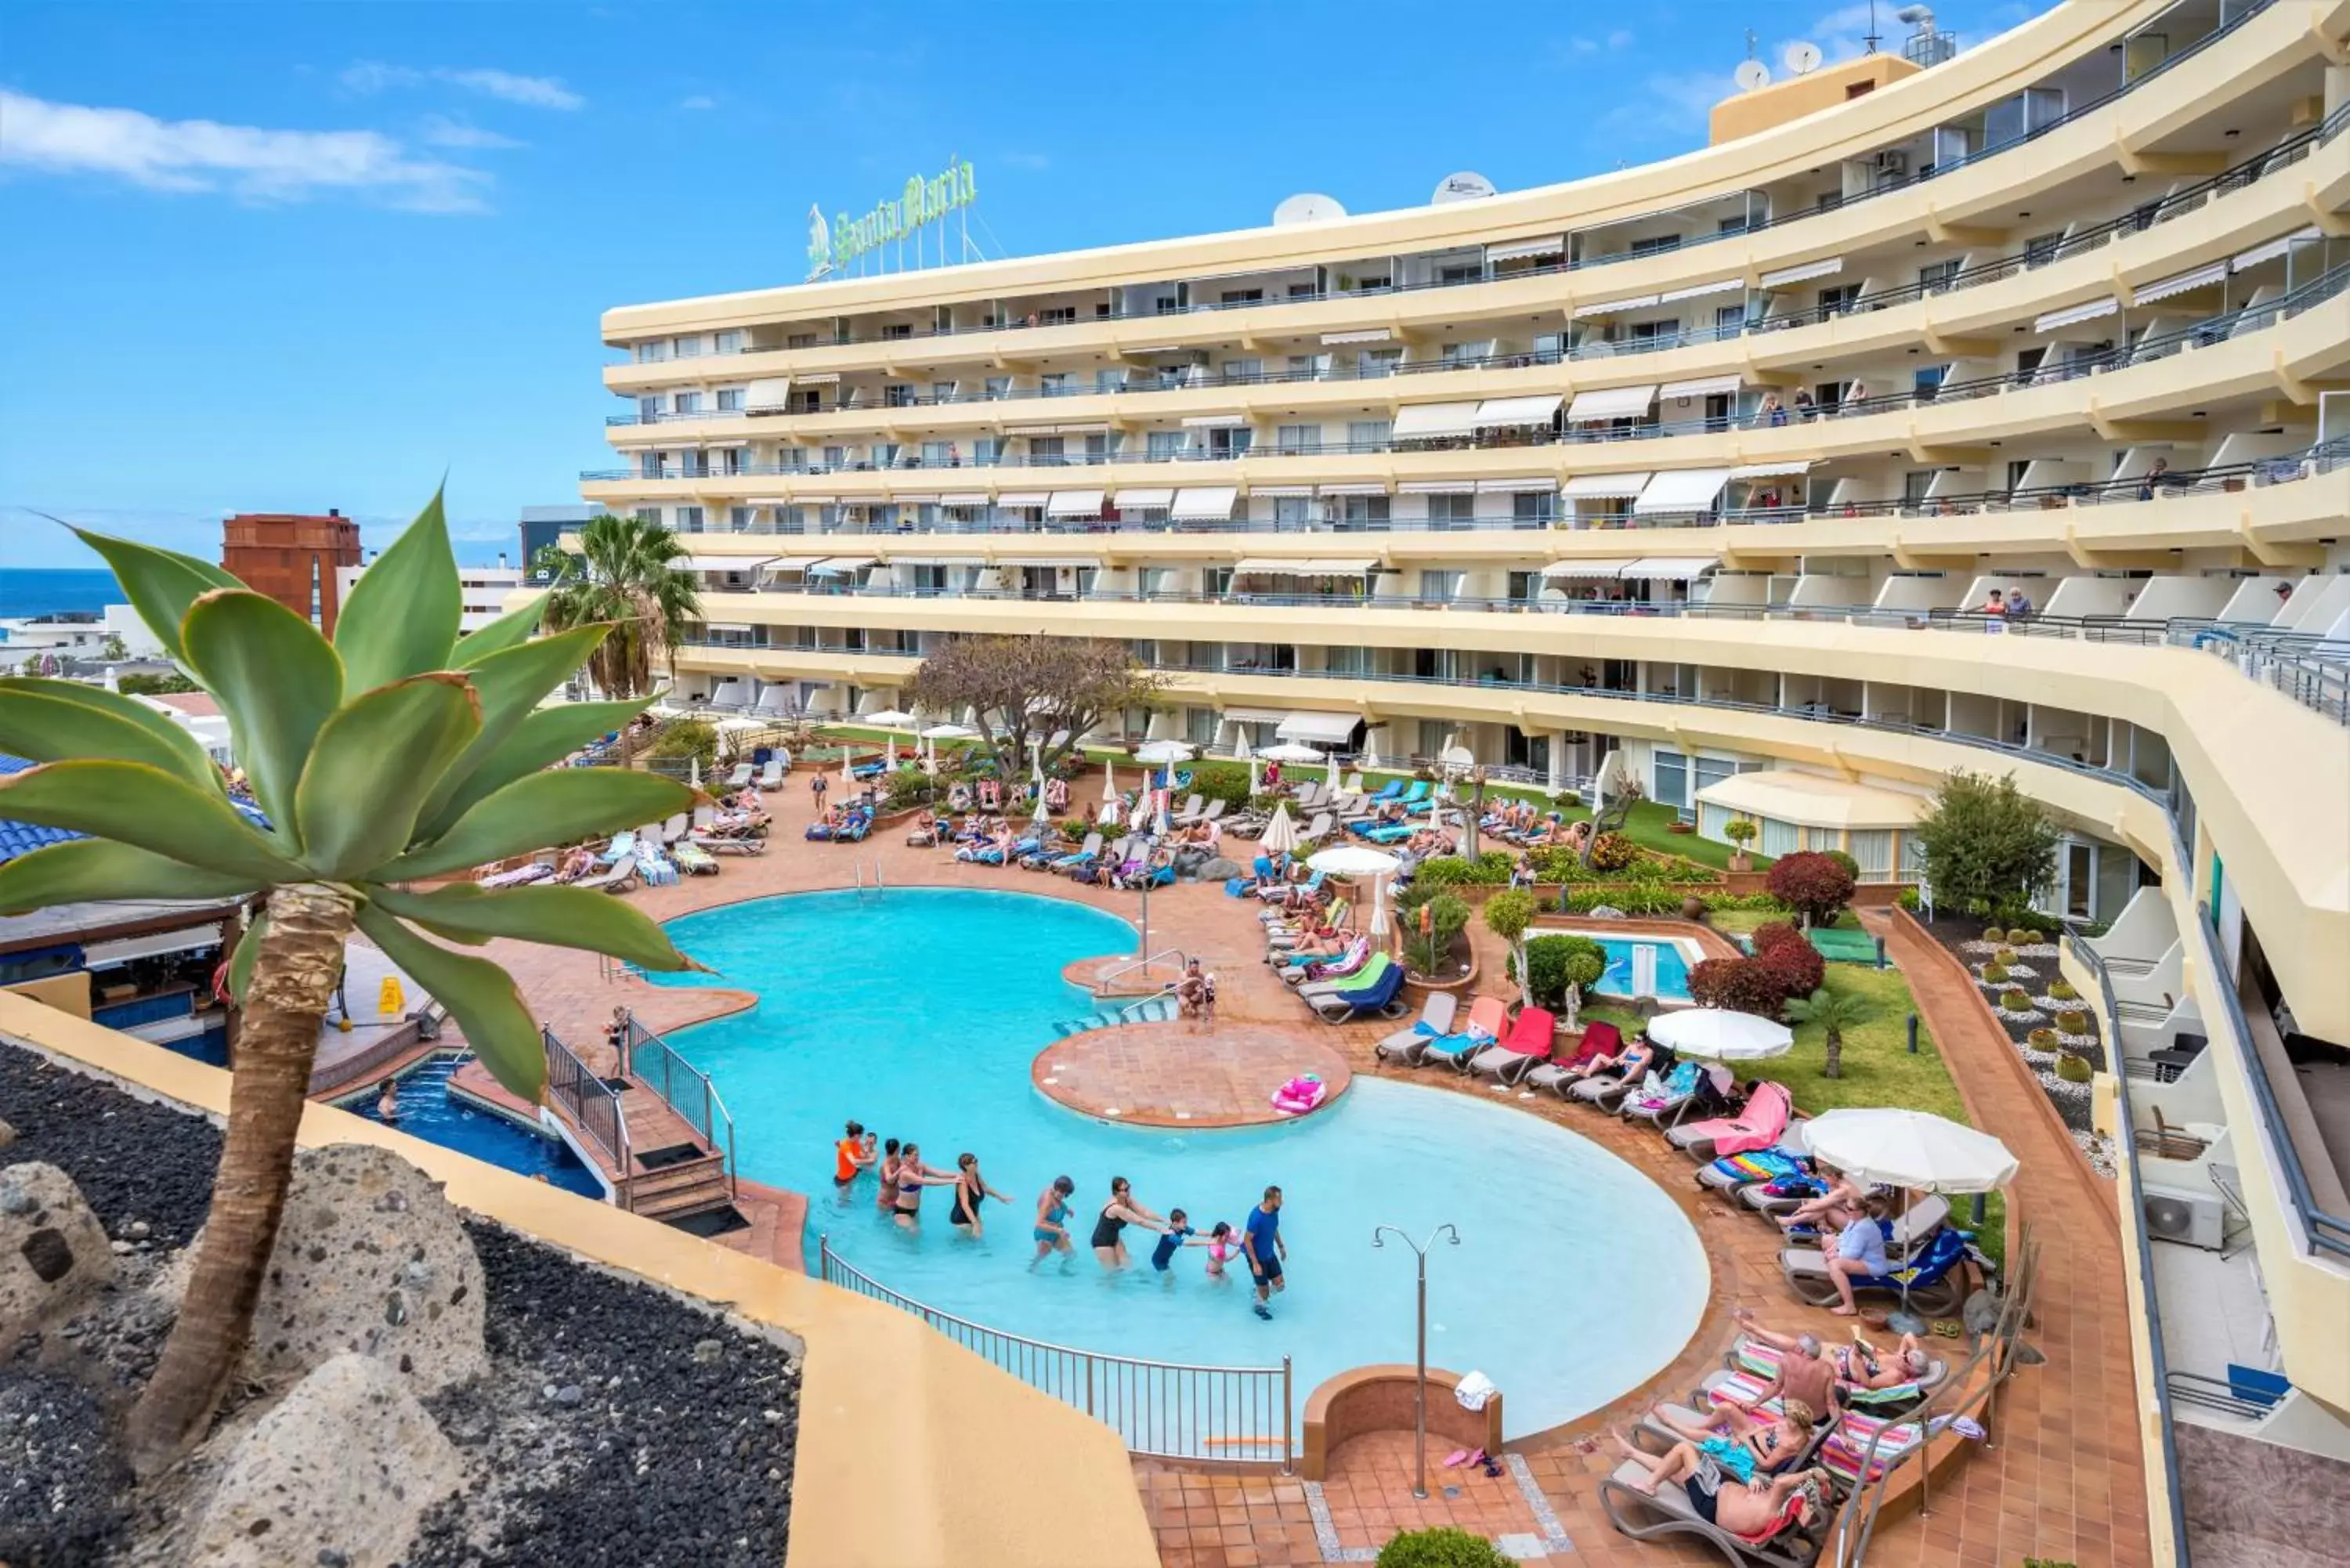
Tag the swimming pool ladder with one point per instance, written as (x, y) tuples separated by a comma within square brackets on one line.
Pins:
[(878, 885)]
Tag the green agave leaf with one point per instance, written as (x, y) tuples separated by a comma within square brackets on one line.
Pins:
[(375, 761), (86, 869), (479, 995), (241, 962), (542, 809), (150, 809), (54, 720), (401, 617), (511, 629), (543, 738), (161, 584), (559, 916), (277, 681), (508, 685)]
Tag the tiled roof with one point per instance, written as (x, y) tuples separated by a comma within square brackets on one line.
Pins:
[(22, 837)]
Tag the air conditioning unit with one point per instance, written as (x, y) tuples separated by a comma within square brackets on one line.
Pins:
[(1893, 163), (2198, 1219)]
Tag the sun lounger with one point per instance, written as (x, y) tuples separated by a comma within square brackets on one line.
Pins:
[(729, 844), (1934, 1278), (1750, 1365), (1903, 1234), (622, 846), (741, 776), (1758, 1126), (1655, 1437), (1607, 1090), (675, 829), (1189, 815), (1316, 831), (1380, 999), (1528, 1044), (618, 880), (1089, 849), (1655, 1102), (1488, 1017), (1356, 958), (694, 860), (1644, 1517), (771, 777), (1361, 975), (1434, 1022), (1728, 1173), (1599, 1039)]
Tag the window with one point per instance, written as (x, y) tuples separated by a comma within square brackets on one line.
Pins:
[(649, 515), (1533, 507), (652, 353), (1459, 353), (1655, 245), (648, 410), (943, 391), (1200, 726), (2041, 249), (1109, 380), (811, 400), (689, 519), (1712, 771), (1445, 511), (1434, 585), (1289, 511), (987, 451), (1054, 384), (1046, 451), (1915, 484), (1928, 380), (1292, 441), (1230, 443), (1372, 363), (1098, 447), (1056, 315), (1243, 369), (1346, 659), (998, 386), (1459, 272), (790, 459), (686, 402), (895, 331), (898, 395), (800, 340), (1729, 320), (1525, 587), (1433, 732), (649, 466), (1240, 297), (1643, 331), (937, 453), (1938, 275), (836, 457), (730, 399), (730, 342), (1369, 435), (1163, 446), (1672, 780), (734, 459), (738, 519), (1365, 512), (1834, 301), (687, 348)]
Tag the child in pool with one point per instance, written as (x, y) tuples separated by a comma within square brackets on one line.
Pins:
[(1179, 1233), (1221, 1248)]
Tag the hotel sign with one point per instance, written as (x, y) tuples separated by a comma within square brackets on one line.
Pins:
[(924, 200)]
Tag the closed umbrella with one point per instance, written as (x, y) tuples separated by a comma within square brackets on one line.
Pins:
[(1717, 1034), (1109, 783), (1039, 814), (1280, 833), (1240, 752), (1379, 907), (693, 771), (1334, 770)]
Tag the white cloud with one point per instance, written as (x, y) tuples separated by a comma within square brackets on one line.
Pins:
[(440, 131), (1669, 105), (1025, 160), (251, 162), (1621, 38), (698, 102), (533, 92)]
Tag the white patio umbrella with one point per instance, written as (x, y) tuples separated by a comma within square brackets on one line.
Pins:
[(1291, 751), (889, 718), (937, 732), (1353, 860), (848, 779), (1717, 1034), (1916, 1150), (738, 724), (1156, 752), (1457, 759), (1280, 834), (1370, 757), (1240, 752)]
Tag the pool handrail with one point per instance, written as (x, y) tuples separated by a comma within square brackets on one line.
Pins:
[(681, 1086), (1147, 1403), (593, 1107)]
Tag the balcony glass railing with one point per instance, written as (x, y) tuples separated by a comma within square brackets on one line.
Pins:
[(1045, 318)]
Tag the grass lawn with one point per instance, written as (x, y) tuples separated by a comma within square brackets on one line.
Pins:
[(1742, 922)]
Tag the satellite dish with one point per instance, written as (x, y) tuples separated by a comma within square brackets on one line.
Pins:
[(1307, 207), (1752, 74), (1464, 186), (1802, 59)]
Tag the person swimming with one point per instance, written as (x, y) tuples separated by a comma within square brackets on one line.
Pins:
[(971, 1189), (1121, 1210), (887, 1199), (1052, 1227), (1178, 1235), (1222, 1249)]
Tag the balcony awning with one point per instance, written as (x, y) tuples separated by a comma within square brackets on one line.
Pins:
[(938, 560), (1055, 563), (1353, 489), (1306, 566), (1509, 413), (154, 944), (778, 500), (792, 563), (1252, 716), (1368, 334), (1090, 427), (1604, 486), (719, 446), (1435, 487), (1668, 569), (1205, 502), (2273, 249), (1540, 485), (1778, 470), (1215, 421), (1073, 503), (964, 498), (2074, 315), (1611, 403), (1129, 500), (1023, 498), (1802, 272), (724, 562), (823, 379), (769, 393), (1681, 490), (840, 566), (1279, 491), (2179, 283), (923, 499), (1700, 290), (1605, 566), (1524, 250), (1703, 387), (1606, 307), (1424, 421), (1330, 729), (727, 627)]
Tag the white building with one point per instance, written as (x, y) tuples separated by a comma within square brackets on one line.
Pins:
[(484, 589)]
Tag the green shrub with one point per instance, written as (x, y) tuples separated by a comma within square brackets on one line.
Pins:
[(1741, 901), (1428, 951), (1557, 960), (2073, 1021), (1490, 869), (1614, 852), (1814, 885), (908, 787), (1444, 1547), (1909, 899), (682, 738), (1226, 782), (1851, 867), (1741, 831), (1738, 984), (1508, 914)]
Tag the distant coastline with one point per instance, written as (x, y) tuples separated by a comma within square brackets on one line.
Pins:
[(29, 591)]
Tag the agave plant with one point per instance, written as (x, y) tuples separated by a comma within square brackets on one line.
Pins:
[(396, 754)]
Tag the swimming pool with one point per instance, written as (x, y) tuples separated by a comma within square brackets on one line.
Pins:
[(917, 1011), (428, 1111), (1674, 956)]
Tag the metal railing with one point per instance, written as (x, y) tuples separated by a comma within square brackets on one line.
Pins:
[(592, 1104), (1162, 1409), (684, 1088), (1143, 964), (2126, 1136)]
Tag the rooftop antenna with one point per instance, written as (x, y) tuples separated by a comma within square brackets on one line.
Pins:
[(1871, 37)]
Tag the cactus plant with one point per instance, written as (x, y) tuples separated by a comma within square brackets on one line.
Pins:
[(1996, 973), (2015, 999), (2074, 1068), (2073, 1021), (2062, 990), (2042, 1040)]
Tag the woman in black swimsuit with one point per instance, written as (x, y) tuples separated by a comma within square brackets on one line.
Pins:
[(971, 1190), (1121, 1210), (912, 1177)]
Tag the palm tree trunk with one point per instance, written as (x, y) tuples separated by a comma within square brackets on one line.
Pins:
[(1833, 1065), (293, 978)]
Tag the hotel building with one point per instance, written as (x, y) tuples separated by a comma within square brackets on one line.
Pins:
[(1702, 473)]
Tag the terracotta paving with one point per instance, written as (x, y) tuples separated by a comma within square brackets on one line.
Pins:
[(2063, 1483), (1186, 1073)]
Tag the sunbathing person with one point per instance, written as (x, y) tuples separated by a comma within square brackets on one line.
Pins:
[(1629, 1063), (1322, 941), (1770, 1443), (1863, 1366), (1832, 1209), (1806, 1371), (925, 831), (577, 863), (1753, 1511)]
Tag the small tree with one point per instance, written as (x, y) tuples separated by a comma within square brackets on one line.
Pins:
[(1738, 985), (1612, 816), (1508, 915), (1986, 843), (1812, 884), (1741, 831), (1429, 927), (112, 649), (1834, 1012), (1560, 968), (1058, 688)]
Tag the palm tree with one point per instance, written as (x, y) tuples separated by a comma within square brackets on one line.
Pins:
[(395, 754), (1834, 1012), (626, 576)]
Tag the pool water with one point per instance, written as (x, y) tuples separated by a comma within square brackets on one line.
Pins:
[(428, 1111), (918, 1011), (1672, 966)]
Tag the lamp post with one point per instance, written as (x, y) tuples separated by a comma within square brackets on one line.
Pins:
[(1419, 1385)]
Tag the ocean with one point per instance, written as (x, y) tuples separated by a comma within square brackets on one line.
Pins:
[(24, 591)]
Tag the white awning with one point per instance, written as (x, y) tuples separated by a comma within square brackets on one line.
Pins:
[(1054, 562), (1027, 431), (841, 565), (1307, 566), (1252, 716), (924, 500), (964, 498), (1089, 427), (1519, 250), (1215, 421), (1023, 498), (724, 562), (1681, 490), (1073, 503), (771, 392), (1541, 484), (1505, 414), (1607, 567), (2074, 315), (1435, 487), (1703, 387), (1772, 470), (1700, 290), (2201, 278), (719, 446), (1279, 491), (1612, 403), (1604, 486), (1205, 502), (2273, 249), (1130, 498), (1353, 489), (1668, 569), (1606, 306), (1330, 729), (1802, 272), (792, 564), (938, 560), (1369, 335), (823, 379), (730, 627), (155, 944), (1422, 421)]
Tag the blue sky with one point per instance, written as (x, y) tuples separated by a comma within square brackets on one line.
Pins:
[(271, 257)]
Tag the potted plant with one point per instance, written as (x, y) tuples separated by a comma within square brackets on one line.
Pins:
[(1741, 831)]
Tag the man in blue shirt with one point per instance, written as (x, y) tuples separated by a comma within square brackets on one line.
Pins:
[(1859, 1254), (1265, 1249)]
